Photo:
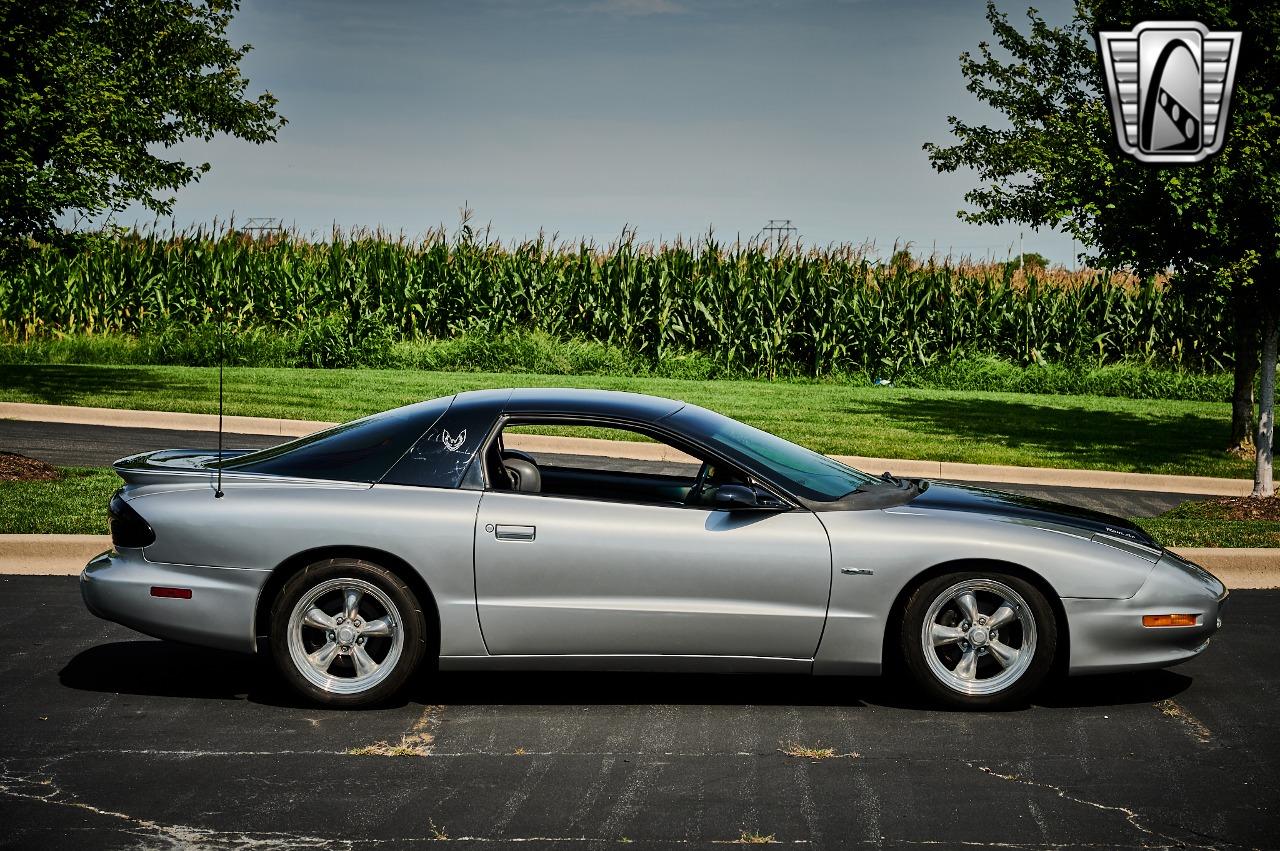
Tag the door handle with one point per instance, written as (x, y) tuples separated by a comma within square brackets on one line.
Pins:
[(507, 532)]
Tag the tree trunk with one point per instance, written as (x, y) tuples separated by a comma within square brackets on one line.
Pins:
[(1246, 369), (1262, 484)]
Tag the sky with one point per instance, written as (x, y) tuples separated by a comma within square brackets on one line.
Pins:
[(582, 117)]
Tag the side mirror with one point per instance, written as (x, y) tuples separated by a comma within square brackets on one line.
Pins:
[(745, 498)]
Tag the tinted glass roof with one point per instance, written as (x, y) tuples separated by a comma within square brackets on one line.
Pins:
[(562, 400)]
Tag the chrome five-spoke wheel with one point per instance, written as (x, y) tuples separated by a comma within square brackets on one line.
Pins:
[(347, 632), (345, 636), (979, 636), (978, 639)]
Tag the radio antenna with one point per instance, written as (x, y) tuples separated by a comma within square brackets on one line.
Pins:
[(222, 357)]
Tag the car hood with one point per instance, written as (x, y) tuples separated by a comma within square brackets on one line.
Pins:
[(945, 496)]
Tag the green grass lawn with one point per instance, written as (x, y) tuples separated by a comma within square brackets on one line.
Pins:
[(76, 503), (73, 504), (1198, 524), (1082, 432)]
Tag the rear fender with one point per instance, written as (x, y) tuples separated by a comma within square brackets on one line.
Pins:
[(267, 522)]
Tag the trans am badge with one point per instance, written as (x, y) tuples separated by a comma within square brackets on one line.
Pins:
[(453, 442), (1170, 85)]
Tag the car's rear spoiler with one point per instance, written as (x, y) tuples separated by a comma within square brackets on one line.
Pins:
[(172, 465)]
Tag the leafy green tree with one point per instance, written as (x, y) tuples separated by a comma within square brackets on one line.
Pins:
[(1031, 262), (1054, 162), (93, 92)]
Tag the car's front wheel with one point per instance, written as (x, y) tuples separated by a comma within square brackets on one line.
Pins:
[(978, 639), (347, 632)]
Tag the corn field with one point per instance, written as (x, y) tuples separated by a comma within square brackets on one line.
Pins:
[(756, 311)]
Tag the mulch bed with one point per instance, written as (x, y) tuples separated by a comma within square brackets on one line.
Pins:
[(20, 468), (1243, 508)]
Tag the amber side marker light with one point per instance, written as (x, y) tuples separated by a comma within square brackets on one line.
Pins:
[(1169, 620), (185, 593)]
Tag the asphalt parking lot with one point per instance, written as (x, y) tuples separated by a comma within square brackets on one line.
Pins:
[(113, 740)]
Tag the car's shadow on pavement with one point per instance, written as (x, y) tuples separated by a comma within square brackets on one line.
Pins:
[(169, 669), (166, 669)]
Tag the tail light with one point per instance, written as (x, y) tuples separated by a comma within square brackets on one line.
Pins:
[(128, 529)]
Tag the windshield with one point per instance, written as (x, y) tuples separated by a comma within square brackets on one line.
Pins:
[(806, 473)]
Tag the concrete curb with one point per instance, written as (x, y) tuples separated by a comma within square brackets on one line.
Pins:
[(66, 555), (948, 470), (49, 555), (122, 418), (1237, 567)]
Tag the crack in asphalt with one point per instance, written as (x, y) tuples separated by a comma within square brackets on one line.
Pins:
[(185, 753), (39, 786), (188, 753), (1133, 817)]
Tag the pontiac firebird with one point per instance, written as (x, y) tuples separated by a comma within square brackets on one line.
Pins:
[(422, 538)]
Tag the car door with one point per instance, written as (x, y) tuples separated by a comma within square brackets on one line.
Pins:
[(565, 575)]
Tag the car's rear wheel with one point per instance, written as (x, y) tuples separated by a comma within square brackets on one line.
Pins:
[(978, 639), (347, 632)]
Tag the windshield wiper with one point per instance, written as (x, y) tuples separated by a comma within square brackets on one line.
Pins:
[(885, 478)]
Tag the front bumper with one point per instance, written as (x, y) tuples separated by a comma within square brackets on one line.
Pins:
[(116, 586), (1108, 635)]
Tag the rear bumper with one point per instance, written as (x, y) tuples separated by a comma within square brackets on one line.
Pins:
[(1108, 635), (116, 586)]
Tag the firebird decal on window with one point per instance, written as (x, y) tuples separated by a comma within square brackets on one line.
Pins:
[(451, 442)]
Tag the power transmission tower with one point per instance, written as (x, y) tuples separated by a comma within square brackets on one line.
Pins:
[(261, 226), (778, 230)]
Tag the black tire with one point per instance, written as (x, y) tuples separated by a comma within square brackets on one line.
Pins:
[(931, 679), (408, 618)]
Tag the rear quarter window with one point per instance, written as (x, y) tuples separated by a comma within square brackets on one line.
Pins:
[(439, 459), (359, 451)]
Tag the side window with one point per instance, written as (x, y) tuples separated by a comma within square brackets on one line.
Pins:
[(570, 460), (579, 446), (441, 456)]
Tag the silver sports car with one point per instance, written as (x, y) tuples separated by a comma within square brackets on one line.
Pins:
[(449, 534)]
